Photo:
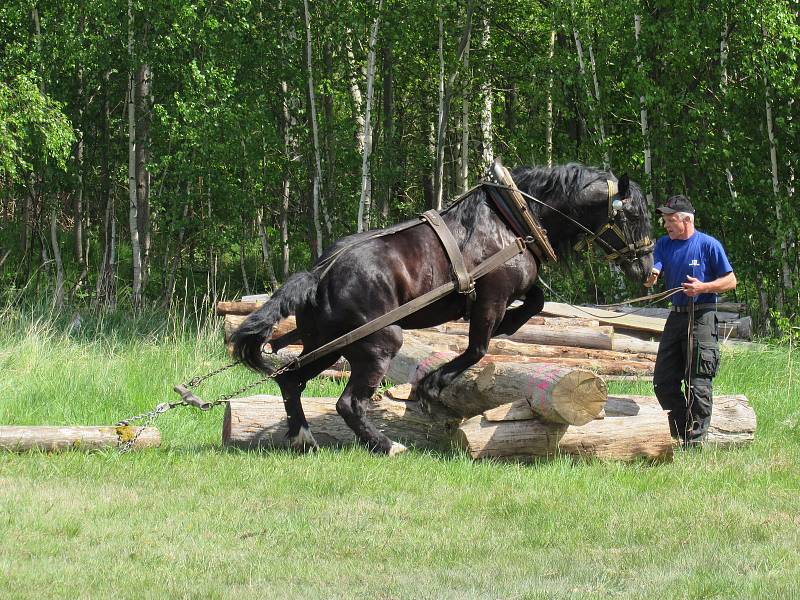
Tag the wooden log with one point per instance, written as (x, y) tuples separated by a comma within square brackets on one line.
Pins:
[(733, 420), (606, 317), (458, 343), (557, 394), (563, 322), (231, 323), (633, 345), (237, 308), (17, 438), (260, 421), (642, 436), (582, 337)]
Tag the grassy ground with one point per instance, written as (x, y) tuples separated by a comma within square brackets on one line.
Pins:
[(193, 520)]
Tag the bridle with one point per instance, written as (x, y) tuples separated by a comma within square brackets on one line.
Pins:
[(613, 236)]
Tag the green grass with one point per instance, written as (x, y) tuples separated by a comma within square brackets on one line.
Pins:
[(193, 520)]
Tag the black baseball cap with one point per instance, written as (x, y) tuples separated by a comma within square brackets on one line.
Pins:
[(676, 204)]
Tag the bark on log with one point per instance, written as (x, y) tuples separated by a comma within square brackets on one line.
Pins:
[(260, 421), (733, 420), (601, 361), (642, 436), (237, 308), (582, 337), (557, 394), (53, 438), (232, 322), (632, 345)]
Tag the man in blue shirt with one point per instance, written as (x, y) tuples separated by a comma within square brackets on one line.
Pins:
[(696, 262)]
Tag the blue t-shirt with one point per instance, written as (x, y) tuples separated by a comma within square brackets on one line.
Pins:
[(701, 256)]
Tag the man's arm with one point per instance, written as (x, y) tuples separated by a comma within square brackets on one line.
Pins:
[(694, 287)]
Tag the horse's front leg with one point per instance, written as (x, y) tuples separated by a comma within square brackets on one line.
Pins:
[(517, 317), (482, 323)]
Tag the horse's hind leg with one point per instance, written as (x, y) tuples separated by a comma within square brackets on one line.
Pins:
[(292, 384), (369, 360)]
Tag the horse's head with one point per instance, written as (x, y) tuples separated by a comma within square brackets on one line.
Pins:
[(608, 213), (621, 224)]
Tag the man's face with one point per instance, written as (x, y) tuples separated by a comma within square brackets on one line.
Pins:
[(676, 227)]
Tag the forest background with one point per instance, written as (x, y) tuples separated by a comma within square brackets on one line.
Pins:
[(153, 153)]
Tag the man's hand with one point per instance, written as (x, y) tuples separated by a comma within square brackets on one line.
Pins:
[(693, 287), (651, 280)]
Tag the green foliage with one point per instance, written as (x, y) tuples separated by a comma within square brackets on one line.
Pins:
[(219, 149)]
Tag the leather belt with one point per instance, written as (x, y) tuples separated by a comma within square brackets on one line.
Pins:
[(686, 308)]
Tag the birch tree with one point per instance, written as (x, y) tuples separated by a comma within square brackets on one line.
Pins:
[(648, 162), (445, 93), (133, 205), (486, 96), (366, 185), (317, 178)]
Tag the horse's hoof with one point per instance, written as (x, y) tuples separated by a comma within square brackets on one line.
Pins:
[(396, 449), (304, 441)]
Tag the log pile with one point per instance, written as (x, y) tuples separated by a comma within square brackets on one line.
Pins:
[(538, 393)]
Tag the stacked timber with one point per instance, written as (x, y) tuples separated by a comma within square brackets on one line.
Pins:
[(538, 393)]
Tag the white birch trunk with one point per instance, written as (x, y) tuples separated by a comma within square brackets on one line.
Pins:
[(445, 93), (723, 84), (549, 139), (365, 202), (773, 157), (486, 109), (648, 161), (355, 95), (290, 149), (58, 296), (464, 170), (601, 124), (136, 297), (317, 179), (589, 98), (262, 234)]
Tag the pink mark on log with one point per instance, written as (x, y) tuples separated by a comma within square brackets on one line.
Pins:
[(426, 365)]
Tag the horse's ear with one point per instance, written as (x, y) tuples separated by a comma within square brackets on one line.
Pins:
[(624, 185)]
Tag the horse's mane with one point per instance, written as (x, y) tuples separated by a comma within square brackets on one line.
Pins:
[(561, 187)]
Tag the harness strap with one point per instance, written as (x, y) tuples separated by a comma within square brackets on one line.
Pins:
[(466, 285), (404, 310), (519, 206)]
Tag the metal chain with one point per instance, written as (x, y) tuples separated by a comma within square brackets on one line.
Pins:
[(150, 417), (195, 381)]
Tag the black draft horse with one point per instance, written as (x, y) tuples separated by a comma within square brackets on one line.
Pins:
[(372, 275)]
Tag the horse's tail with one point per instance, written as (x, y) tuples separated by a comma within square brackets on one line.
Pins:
[(256, 329)]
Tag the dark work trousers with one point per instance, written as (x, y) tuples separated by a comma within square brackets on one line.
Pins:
[(690, 414)]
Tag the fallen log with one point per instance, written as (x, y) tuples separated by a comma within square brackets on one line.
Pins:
[(642, 436), (237, 308), (458, 343), (606, 317), (260, 421), (733, 420), (556, 394), (232, 322), (633, 345), (582, 337), (18, 438)]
